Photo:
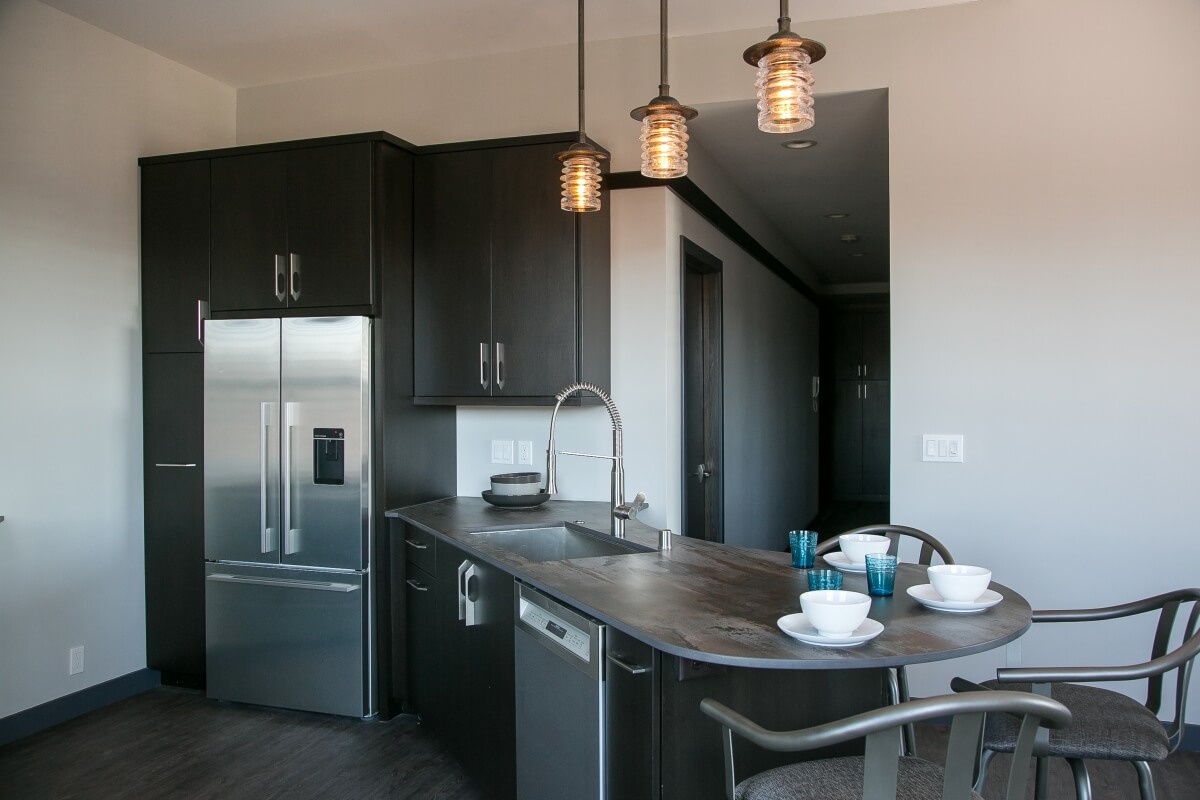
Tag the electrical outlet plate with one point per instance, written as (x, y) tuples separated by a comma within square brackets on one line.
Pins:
[(942, 447), (76, 660), (525, 452), (502, 451)]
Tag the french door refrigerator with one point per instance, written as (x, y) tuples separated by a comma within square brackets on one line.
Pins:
[(287, 516)]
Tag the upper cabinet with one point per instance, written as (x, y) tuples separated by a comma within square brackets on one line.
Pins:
[(511, 292), (861, 349), (174, 255), (292, 228)]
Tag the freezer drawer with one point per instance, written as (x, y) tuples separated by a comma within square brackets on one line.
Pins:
[(290, 638)]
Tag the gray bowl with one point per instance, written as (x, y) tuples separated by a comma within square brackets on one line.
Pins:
[(517, 483)]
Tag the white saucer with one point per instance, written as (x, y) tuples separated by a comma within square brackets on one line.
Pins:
[(798, 627), (926, 596), (838, 560)]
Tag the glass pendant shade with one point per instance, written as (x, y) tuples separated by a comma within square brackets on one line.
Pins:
[(785, 102), (664, 140), (580, 183)]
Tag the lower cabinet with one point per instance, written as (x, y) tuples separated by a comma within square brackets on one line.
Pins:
[(631, 719), (471, 699), (860, 440)]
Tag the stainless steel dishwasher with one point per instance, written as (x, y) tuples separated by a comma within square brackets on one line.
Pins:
[(559, 660)]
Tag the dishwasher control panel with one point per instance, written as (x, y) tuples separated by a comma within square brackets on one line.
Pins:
[(557, 630)]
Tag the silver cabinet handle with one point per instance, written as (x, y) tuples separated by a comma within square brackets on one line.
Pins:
[(294, 274), (201, 315), (864, 391), (416, 584), (416, 545), (467, 606), (858, 370), (280, 279), (632, 669), (484, 368), (462, 590), (499, 365), (703, 472), (174, 465), (859, 388), (285, 583), (290, 537), (864, 370)]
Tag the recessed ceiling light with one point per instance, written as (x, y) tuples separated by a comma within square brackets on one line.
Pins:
[(849, 238), (799, 144), (837, 215)]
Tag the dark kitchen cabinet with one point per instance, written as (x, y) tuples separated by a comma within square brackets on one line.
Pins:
[(173, 420), (424, 672), (861, 345), (861, 439), (475, 712), (632, 718), (512, 293), (175, 229), (293, 228)]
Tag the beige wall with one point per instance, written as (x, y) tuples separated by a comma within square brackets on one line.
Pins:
[(77, 108), (1044, 197)]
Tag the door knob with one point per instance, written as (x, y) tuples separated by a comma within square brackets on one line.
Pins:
[(703, 472)]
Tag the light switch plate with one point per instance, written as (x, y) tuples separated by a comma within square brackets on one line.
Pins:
[(942, 447), (502, 451)]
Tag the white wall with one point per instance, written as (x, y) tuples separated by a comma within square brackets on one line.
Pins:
[(79, 107), (1043, 193)]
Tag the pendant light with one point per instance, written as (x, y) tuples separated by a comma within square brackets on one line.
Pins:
[(784, 78), (581, 161), (664, 121)]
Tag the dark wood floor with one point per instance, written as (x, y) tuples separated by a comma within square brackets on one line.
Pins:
[(173, 743)]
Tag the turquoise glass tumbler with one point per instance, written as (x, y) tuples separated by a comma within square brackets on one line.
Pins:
[(819, 579), (804, 548), (881, 574)]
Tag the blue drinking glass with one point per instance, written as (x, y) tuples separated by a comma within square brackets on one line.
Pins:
[(819, 579), (881, 574), (804, 548)]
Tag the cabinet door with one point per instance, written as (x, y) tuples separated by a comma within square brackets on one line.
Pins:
[(876, 346), (492, 655), (457, 724), (847, 346), (876, 438), (249, 231), (174, 507), (534, 275), (631, 701), (174, 255), (452, 275), (846, 439), (424, 670), (329, 226)]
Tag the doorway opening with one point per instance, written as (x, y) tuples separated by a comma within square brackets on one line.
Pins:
[(700, 337)]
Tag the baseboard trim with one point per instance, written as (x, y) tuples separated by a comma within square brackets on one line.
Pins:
[(47, 715)]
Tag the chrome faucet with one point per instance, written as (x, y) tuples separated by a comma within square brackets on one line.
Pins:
[(621, 510)]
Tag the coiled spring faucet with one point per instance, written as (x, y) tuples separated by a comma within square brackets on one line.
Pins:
[(621, 510)]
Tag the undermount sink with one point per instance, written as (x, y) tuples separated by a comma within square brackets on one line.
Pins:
[(557, 542)]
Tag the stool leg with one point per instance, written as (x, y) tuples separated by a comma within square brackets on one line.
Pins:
[(1145, 781), (985, 758), (910, 733), (1083, 783), (1041, 777)]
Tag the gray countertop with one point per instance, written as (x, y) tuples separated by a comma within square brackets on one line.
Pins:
[(713, 602)]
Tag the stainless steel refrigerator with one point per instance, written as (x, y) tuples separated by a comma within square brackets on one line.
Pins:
[(287, 516)]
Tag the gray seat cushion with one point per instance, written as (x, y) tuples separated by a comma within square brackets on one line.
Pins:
[(841, 779), (1104, 724)]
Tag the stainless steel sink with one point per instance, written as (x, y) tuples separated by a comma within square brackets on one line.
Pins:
[(557, 542)]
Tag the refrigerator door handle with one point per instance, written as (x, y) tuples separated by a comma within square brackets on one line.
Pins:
[(266, 532), (291, 537), (284, 583)]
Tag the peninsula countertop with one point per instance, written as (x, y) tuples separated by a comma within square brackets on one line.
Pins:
[(714, 602)]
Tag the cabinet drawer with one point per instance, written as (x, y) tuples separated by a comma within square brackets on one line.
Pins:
[(418, 547)]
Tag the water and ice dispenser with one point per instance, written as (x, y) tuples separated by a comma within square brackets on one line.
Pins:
[(329, 456)]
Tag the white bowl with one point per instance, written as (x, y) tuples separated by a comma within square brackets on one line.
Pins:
[(959, 583), (517, 483), (836, 614), (856, 546)]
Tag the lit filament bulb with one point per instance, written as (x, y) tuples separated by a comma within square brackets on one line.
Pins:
[(580, 184), (785, 91), (664, 140)]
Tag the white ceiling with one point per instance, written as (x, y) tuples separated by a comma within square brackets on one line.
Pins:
[(255, 42)]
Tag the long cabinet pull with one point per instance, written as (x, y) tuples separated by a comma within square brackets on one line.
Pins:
[(859, 388), (864, 391), (864, 370), (416, 584), (294, 273), (500, 365), (285, 583), (280, 278), (484, 368), (462, 590), (632, 669), (416, 545), (174, 465), (201, 315)]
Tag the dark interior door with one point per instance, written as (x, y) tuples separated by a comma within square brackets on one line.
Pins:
[(702, 424), (329, 224), (249, 230), (534, 280), (452, 275), (876, 439), (174, 255), (846, 439)]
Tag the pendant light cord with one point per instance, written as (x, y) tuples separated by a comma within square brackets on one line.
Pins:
[(582, 136), (664, 87)]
